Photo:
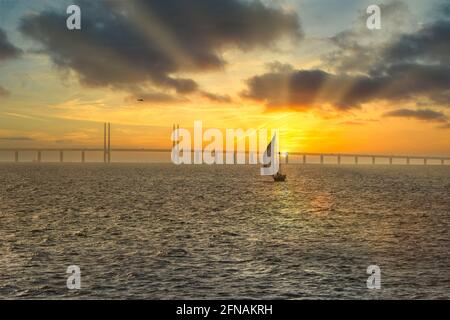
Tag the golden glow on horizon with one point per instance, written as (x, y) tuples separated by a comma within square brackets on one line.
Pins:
[(150, 127), (51, 108)]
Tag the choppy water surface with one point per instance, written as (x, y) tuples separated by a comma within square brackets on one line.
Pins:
[(165, 231)]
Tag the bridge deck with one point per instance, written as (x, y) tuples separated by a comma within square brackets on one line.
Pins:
[(322, 156)]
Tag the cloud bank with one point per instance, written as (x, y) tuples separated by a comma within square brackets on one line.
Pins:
[(127, 44), (409, 67), (305, 89), (423, 114)]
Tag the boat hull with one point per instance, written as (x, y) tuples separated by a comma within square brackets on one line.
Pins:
[(279, 177)]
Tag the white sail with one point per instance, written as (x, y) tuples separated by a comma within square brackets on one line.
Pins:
[(271, 161), (267, 156)]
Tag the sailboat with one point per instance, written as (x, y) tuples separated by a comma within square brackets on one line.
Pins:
[(278, 176)]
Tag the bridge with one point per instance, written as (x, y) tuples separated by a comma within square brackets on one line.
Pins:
[(304, 157)]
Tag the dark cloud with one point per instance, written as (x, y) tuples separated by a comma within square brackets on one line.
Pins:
[(414, 67), (292, 88), (423, 114), (4, 92), (431, 45), (126, 43), (408, 80), (304, 89), (217, 97), (16, 139), (7, 49)]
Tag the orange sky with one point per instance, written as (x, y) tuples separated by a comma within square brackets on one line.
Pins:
[(49, 105)]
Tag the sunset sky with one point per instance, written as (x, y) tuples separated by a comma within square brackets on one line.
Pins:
[(308, 67)]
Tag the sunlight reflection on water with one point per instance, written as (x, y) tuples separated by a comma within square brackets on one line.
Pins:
[(162, 231)]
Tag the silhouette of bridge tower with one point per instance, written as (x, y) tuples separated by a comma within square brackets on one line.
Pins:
[(333, 158)]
